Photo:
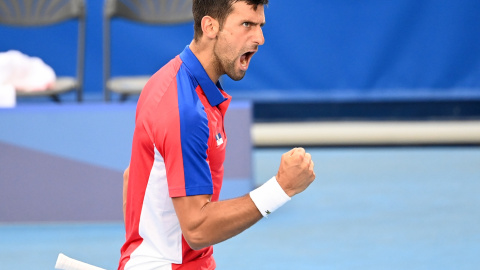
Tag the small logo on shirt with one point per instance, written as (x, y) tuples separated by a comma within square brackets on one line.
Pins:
[(219, 139)]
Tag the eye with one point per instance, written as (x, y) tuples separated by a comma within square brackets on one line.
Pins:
[(247, 24)]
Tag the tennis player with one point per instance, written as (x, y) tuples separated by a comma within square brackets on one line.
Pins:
[(172, 214)]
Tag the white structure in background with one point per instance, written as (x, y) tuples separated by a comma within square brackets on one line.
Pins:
[(22, 72)]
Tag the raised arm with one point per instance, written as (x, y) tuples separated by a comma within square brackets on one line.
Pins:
[(205, 223)]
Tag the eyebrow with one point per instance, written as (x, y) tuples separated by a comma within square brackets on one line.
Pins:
[(254, 23)]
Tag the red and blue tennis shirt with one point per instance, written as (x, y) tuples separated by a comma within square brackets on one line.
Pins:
[(178, 150)]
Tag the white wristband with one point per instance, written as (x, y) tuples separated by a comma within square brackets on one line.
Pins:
[(269, 197)]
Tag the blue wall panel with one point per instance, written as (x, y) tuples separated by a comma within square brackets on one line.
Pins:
[(407, 49)]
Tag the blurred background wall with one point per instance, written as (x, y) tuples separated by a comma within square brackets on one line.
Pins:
[(363, 85), (338, 61), (322, 50)]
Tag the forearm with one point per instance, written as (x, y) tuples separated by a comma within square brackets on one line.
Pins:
[(205, 223), (215, 222)]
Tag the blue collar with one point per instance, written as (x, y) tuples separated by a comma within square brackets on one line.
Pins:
[(210, 89)]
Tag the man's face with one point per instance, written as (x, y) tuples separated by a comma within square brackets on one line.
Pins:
[(239, 39)]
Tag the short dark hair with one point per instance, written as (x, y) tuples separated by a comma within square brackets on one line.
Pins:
[(217, 9)]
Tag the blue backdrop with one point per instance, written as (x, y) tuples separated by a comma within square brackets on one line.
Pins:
[(340, 50)]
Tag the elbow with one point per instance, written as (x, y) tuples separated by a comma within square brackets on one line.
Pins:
[(196, 240), (197, 246)]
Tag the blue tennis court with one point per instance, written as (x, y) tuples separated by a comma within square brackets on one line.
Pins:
[(370, 208)]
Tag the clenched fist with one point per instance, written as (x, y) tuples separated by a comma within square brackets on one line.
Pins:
[(296, 171)]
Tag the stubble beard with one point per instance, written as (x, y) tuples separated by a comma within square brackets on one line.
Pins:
[(226, 66)]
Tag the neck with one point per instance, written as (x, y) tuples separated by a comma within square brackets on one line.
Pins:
[(204, 53)]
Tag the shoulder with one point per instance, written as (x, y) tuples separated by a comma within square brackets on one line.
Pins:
[(164, 77)]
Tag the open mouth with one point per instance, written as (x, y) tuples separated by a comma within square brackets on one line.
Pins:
[(245, 59)]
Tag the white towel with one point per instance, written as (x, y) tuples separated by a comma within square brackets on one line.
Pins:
[(25, 73)]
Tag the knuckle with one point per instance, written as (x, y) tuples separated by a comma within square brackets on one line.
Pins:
[(297, 158)]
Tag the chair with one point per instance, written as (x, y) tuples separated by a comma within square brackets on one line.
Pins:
[(38, 13), (153, 12)]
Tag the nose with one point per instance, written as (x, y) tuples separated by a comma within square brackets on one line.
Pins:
[(258, 36)]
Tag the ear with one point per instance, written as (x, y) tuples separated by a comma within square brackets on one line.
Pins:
[(210, 27)]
